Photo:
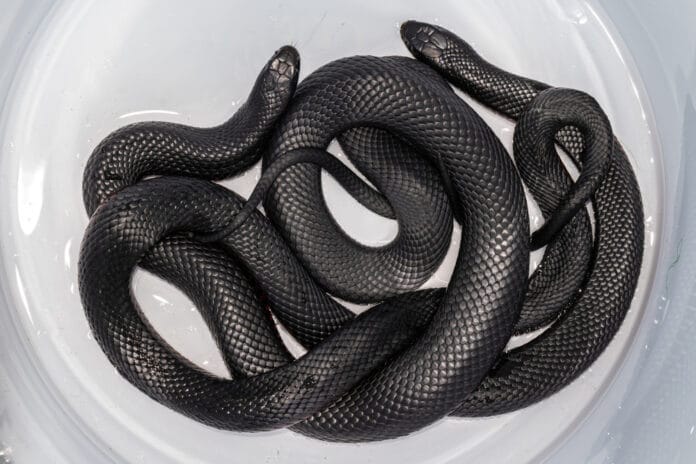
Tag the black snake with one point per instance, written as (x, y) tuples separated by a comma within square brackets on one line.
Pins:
[(417, 355)]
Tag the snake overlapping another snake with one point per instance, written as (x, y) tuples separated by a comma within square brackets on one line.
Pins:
[(417, 355)]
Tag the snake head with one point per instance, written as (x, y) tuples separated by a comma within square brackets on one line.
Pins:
[(425, 41), (432, 44), (282, 71)]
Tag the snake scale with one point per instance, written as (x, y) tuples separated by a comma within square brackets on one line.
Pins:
[(416, 355)]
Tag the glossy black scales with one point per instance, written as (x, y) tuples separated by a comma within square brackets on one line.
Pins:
[(429, 159)]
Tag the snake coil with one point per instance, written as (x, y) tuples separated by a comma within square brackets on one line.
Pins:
[(416, 355)]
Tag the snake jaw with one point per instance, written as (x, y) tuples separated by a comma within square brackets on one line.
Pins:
[(425, 41)]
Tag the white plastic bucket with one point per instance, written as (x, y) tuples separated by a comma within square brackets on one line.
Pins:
[(70, 72)]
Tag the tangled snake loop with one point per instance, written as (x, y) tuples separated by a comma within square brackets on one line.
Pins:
[(418, 354)]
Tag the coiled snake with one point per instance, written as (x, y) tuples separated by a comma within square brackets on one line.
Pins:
[(417, 355)]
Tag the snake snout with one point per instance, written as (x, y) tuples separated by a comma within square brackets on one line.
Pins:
[(424, 41)]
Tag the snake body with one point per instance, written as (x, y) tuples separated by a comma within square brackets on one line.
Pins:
[(417, 355)]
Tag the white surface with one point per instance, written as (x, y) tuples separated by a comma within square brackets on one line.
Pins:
[(95, 66)]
